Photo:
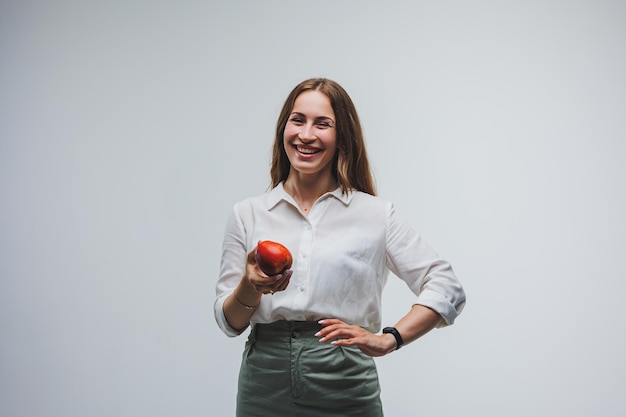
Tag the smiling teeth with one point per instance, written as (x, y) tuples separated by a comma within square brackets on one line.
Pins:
[(306, 150)]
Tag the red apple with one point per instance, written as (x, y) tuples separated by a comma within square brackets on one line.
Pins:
[(273, 258)]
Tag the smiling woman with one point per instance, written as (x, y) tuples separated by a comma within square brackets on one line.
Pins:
[(322, 194), (310, 142), (350, 166), (344, 242)]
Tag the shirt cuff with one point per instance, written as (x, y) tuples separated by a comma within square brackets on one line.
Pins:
[(440, 305)]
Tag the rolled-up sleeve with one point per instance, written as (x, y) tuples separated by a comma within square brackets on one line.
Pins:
[(430, 278), (232, 268)]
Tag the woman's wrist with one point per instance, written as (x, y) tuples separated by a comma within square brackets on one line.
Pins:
[(246, 296), (244, 305), (390, 342)]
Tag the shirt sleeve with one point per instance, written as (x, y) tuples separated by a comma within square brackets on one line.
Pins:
[(232, 268), (430, 278)]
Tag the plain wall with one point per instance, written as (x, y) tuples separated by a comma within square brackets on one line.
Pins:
[(128, 129)]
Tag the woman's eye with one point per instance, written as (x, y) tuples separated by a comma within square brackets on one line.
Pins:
[(323, 125), (296, 120)]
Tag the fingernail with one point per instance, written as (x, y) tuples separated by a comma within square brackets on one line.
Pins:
[(321, 322), (317, 334)]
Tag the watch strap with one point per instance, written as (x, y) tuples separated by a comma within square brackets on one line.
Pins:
[(396, 334)]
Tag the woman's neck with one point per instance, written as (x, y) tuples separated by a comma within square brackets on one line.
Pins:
[(307, 189)]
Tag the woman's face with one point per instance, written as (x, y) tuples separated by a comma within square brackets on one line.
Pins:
[(310, 137)]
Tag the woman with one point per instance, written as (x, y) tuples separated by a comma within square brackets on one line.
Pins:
[(344, 241)]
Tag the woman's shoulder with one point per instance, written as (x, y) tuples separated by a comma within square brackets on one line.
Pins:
[(369, 199), (371, 204)]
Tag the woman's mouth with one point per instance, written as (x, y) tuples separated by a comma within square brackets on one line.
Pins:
[(307, 150)]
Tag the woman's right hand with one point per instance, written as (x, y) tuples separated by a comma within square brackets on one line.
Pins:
[(262, 283), (240, 305)]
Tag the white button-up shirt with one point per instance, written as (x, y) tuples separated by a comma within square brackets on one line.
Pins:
[(342, 254)]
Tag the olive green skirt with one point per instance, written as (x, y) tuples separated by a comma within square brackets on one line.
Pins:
[(286, 371)]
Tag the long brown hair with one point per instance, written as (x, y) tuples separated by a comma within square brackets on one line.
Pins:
[(350, 166)]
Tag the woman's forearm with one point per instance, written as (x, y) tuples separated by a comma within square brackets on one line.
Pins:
[(417, 322), (240, 305)]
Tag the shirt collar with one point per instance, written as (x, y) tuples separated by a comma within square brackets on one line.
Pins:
[(278, 194)]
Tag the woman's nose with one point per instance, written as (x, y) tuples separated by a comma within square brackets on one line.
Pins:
[(307, 133)]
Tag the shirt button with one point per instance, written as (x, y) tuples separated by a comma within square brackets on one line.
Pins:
[(295, 334), (301, 288)]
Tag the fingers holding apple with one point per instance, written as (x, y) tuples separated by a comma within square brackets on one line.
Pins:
[(280, 284), (274, 283), (268, 267)]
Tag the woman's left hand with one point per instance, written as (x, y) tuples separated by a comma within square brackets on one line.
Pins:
[(342, 334)]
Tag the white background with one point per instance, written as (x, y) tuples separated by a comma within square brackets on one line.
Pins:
[(129, 129)]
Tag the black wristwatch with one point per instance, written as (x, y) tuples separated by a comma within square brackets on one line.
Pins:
[(396, 334)]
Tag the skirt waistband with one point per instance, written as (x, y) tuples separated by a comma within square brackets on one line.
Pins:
[(285, 329)]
